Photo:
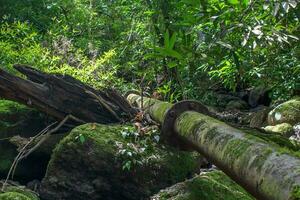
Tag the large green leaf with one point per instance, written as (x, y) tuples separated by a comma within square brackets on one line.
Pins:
[(168, 52)]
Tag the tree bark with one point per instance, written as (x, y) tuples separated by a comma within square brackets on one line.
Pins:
[(61, 95), (264, 170)]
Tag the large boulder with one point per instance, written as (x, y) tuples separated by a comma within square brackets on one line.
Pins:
[(287, 112), (103, 162), (214, 185)]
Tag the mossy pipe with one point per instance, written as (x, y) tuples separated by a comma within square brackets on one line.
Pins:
[(261, 168)]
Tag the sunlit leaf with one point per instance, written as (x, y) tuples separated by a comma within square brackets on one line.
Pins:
[(293, 3), (257, 32), (265, 6), (172, 64), (228, 46), (233, 2), (246, 2), (254, 44), (276, 8), (285, 6)]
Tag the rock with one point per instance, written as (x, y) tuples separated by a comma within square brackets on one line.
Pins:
[(212, 185), (259, 118), (16, 119), (259, 96), (296, 136), (287, 112), (97, 162), (18, 193), (284, 129), (236, 105)]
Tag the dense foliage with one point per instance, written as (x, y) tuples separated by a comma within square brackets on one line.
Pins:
[(178, 48)]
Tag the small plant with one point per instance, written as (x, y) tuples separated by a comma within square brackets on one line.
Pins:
[(80, 138), (138, 147)]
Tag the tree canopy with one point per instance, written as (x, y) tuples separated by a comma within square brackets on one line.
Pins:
[(179, 48)]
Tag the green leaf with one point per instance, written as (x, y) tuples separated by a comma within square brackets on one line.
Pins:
[(169, 52), (246, 2), (81, 138), (152, 55), (172, 40), (171, 64), (228, 46), (233, 2), (167, 39)]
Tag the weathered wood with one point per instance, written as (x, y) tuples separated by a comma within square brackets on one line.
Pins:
[(264, 170), (61, 95)]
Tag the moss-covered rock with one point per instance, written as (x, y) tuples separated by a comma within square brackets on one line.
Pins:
[(284, 129), (17, 193), (287, 112), (214, 185), (16, 119), (87, 165)]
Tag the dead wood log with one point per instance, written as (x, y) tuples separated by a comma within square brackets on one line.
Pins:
[(265, 170), (61, 95)]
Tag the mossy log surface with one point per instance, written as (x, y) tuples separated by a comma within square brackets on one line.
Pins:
[(263, 169), (213, 185), (87, 164)]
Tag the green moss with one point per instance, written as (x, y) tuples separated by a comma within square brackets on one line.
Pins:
[(236, 148), (287, 112), (7, 107), (96, 135), (213, 185), (284, 129), (17, 193), (281, 143), (180, 165), (296, 193), (98, 156), (13, 196), (158, 110)]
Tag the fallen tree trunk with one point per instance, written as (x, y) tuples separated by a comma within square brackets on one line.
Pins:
[(62, 95), (266, 171)]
